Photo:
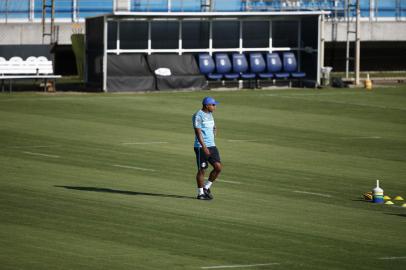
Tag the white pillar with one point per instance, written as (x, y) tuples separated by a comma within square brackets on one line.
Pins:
[(118, 39), (75, 16), (211, 37), (149, 38), (122, 5), (371, 9), (206, 5), (240, 41), (299, 42), (32, 8), (357, 45), (319, 49), (105, 39), (270, 37), (322, 40), (180, 37)]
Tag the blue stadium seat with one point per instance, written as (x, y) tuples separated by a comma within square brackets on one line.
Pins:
[(274, 65), (258, 66), (290, 65), (240, 66), (207, 67), (224, 66)]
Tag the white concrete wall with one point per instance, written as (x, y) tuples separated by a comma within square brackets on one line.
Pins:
[(370, 31), (31, 33), (122, 5)]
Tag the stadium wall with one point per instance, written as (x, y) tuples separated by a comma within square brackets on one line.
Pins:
[(383, 45), (383, 25)]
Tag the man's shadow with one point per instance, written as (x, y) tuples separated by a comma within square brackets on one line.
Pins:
[(400, 215), (125, 192)]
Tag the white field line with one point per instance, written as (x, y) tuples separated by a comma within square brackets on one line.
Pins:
[(366, 105), (238, 266), (227, 181), (313, 193), (140, 143), (40, 154), (134, 168), (249, 140), (34, 146), (340, 102), (361, 137), (308, 94), (242, 140), (393, 258)]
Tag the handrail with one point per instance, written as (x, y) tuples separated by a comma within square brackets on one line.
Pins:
[(78, 9)]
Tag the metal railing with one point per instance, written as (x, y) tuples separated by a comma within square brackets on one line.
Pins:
[(64, 9), (74, 10), (374, 8)]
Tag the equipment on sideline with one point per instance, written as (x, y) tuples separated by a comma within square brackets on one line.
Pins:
[(377, 194), (367, 196), (368, 83)]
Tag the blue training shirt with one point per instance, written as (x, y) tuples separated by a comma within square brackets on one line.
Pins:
[(205, 122)]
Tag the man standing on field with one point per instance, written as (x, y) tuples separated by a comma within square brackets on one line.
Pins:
[(205, 148)]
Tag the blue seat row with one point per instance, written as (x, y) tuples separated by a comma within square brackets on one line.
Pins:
[(257, 68)]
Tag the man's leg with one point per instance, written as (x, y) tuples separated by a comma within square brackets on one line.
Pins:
[(214, 160), (217, 167), (200, 178), (201, 195)]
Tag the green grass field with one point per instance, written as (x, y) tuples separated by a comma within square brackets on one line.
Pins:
[(107, 181)]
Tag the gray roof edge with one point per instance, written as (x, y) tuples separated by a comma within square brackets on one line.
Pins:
[(218, 14)]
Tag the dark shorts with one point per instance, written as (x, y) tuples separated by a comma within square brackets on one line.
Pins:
[(202, 160)]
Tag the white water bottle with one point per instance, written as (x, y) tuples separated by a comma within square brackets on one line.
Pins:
[(377, 194)]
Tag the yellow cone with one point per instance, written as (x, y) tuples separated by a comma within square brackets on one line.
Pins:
[(404, 205), (389, 202), (398, 198), (386, 198), (367, 196), (368, 83)]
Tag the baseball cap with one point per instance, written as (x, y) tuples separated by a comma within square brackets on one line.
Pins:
[(209, 100)]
